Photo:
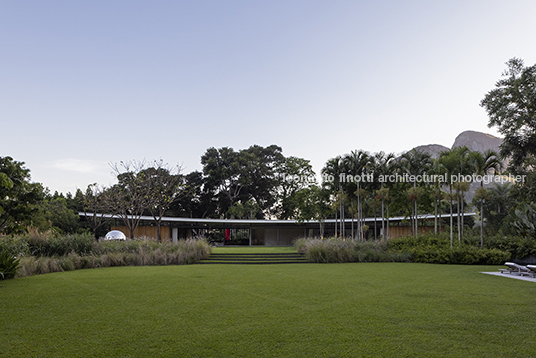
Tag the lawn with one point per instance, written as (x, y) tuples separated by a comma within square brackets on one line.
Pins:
[(300, 310)]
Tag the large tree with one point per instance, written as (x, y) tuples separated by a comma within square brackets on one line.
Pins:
[(19, 198), (222, 176), (233, 176), (165, 185), (131, 196), (511, 107), (95, 206), (314, 204), (294, 174)]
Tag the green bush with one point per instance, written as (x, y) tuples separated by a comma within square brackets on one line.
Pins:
[(15, 245), (338, 250), (9, 265), (431, 248), (464, 255)]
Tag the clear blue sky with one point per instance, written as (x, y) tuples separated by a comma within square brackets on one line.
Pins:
[(86, 83)]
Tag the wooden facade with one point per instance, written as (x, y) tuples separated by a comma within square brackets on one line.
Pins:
[(147, 231), (271, 232)]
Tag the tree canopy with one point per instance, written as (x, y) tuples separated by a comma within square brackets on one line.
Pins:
[(19, 198), (511, 107)]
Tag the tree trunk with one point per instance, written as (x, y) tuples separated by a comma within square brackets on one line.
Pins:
[(458, 222), (383, 221), (435, 216), (416, 220), (375, 238), (481, 220), (388, 234), (451, 222), (158, 235), (336, 223)]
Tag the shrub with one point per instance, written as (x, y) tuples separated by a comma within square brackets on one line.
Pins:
[(337, 250), (431, 248), (9, 265), (15, 245)]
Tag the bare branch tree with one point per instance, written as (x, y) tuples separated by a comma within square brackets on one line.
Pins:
[(165, 186), (131, 196), (94, 204)]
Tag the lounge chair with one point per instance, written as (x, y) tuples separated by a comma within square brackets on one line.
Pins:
[(532, 271), (514, 269)]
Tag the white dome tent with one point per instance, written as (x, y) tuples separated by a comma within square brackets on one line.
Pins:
[(115, 235)]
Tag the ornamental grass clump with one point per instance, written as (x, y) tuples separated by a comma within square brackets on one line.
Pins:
[(327, 250), (123, 253), (50, 244)]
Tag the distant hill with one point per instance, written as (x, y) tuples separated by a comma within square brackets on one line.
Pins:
[(475, 141), (432, 149)]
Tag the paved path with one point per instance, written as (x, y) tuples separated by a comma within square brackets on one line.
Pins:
[(517, 277)]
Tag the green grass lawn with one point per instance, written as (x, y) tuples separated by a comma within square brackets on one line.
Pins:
[(309, 310)]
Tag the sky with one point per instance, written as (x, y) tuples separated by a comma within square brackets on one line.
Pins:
[(85, 84)]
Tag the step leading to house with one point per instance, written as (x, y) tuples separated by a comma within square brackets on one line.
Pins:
[(255, 259)]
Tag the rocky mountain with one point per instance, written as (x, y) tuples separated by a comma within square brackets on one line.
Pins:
[(432, 149), (477, 141)]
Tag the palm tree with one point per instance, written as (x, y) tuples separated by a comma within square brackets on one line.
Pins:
[(356, 163), (449, 163), (333, 168), (482, 164), (382, 165), (437, 193), (415, 162), (464, 169), (461, 187)]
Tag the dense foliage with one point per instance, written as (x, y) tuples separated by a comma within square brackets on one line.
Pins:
[(9, 265)]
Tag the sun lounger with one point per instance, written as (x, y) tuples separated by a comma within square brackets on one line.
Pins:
[(531, 272), (514, 269)]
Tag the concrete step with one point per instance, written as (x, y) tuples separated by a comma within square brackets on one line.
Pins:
[(255, 259)]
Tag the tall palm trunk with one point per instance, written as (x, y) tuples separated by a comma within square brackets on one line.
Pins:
[(359, 223), (388, 235), (336, 223), (481, 219), (458, 222), (435, 216), (451, 221), (375, 237), (415, 204), (383, 220)]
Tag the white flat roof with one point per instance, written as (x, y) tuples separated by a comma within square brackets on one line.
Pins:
[(264, 222)]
